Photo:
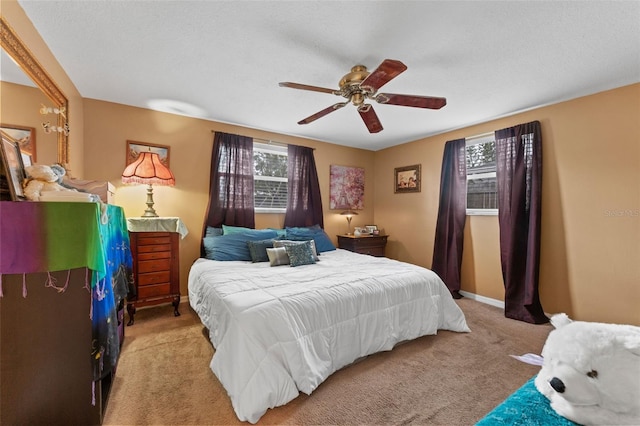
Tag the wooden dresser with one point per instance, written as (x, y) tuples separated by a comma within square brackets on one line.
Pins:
[(155, 247), (372, 245)]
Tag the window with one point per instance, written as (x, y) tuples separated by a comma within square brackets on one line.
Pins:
[(270, 178), (482, 185)]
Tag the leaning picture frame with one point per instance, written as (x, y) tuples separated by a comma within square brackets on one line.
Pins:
[(134, 149), (24, 136), (12, 169), (407, 179)]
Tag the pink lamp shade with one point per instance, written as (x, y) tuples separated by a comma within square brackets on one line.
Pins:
[(148, 169)]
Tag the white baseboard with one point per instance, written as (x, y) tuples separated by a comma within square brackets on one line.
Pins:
[(483, 299)]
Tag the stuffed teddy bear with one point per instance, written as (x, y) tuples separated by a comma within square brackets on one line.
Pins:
[(591, 372), (41, 178)]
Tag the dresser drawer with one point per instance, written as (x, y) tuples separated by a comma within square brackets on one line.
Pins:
[(154, 239), (371, 251), (156, 265), (153, 278), (153, 255), (153, 290), (369, 242), (154, 248), (371, 245)]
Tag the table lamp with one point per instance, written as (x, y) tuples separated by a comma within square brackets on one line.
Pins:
[(349, 214), (149, 170)]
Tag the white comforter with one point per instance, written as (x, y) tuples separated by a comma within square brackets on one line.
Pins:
[(281, 330)]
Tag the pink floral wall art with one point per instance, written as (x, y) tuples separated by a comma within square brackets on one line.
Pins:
[(346, 188)]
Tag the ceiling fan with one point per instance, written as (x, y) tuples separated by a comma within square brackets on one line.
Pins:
[(360, 85)]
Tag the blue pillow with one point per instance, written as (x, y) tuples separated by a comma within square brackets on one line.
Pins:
[(212, 232), (300, 254), (234, 246), (234, 229), (281, 232), (315, 233)]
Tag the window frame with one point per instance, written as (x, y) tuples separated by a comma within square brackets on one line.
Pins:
[(271, 148), (477, 140)]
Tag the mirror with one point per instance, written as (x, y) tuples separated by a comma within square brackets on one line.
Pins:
[(14, 47)]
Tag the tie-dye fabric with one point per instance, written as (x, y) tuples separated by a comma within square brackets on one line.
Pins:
[(58, 236)]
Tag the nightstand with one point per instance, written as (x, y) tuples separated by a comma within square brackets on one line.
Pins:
[(369, 244), (155, 247)]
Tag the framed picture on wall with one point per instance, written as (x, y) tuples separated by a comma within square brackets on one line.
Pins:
[(12, 172), (134, 149), (25, 137), (346, 188), (407, 179)]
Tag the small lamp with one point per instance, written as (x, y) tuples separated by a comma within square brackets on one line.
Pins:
[(148, 169), (349, 214)]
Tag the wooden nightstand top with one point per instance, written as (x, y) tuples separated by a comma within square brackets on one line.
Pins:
[(361, 236)]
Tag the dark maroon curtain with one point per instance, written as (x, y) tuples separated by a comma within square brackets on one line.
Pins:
[(519, 175), (447, 249), (231, 182), (304, 203)]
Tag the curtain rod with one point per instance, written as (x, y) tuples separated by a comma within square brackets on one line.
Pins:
[(270, 142), (481, 136)]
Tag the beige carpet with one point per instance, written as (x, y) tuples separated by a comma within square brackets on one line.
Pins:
[(163, 376)]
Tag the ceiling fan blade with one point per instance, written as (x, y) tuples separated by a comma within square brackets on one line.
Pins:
[(370, 118), (388, 70), (430, 102), (307, 87), (322, 113)]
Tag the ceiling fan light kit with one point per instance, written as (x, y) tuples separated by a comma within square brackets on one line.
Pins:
[(360, 85)]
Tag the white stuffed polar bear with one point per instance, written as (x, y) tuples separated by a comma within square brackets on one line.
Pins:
[(591, 372), (42, 178)]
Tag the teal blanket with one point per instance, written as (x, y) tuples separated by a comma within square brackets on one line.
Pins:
[(525, 407)]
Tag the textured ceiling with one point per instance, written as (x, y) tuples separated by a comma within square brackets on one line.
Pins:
[(225, 58)]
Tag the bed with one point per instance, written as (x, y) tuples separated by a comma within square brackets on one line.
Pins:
[(278, 331)]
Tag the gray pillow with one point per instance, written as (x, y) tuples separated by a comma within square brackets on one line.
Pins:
[(258, 250), (277, 256)]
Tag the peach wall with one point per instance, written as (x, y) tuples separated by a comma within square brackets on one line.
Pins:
[(191, 142), (590, 258), (590, 254)]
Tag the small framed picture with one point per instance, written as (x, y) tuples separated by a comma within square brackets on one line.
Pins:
[(135, 148), (12, 169), (407, 179), (25, 137), (371, 229)]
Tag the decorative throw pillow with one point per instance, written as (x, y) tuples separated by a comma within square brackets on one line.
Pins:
[(258, 250), (322, 240), (284, 243), (300, 254), (277, 256)]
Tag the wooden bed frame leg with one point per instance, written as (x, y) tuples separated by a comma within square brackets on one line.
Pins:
[(176, 304)]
